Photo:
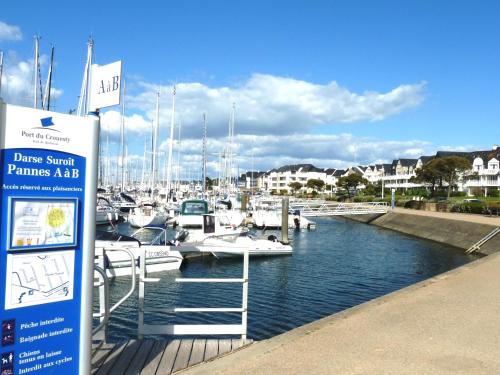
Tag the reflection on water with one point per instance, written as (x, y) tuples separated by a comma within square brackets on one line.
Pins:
[(337, 266)]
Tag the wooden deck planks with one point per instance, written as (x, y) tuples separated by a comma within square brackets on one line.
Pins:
[(99, 356), (111, 359), (154, 358), (211, 349), (198, 352), (224, 346), (137, 363), (167, 360), (182, 358), (125, 358), (151, 357)]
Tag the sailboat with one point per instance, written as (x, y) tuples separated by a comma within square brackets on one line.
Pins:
[(149, 213)]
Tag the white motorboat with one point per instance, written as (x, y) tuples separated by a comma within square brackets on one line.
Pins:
[(255, 246), (215, 237), (191, 214), (271, 219), (161, 255)]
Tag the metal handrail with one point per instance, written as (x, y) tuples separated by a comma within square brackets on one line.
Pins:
[(133, 282), (106, 314)]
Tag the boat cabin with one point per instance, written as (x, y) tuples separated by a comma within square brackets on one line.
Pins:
[(194, 207)]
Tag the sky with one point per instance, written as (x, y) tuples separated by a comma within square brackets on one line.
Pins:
[(332, 83)]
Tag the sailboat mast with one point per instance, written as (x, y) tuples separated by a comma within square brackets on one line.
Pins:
[(144, 162), (122, 138), (35, 67), (48, 84), (155, 140), (178, 168), (171, 144), (229, 155), (1, 71), (204, 156), (84, 100)]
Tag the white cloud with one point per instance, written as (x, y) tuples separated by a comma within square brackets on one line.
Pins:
[(274, 116), (18, 77), (267, 104), (9, 32)]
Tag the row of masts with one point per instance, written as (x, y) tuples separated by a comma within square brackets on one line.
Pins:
[(226, 157)]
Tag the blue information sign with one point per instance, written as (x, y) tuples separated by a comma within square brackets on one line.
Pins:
[(43, 252)]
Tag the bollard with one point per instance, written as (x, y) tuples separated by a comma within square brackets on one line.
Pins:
[(284, 221), (244, 203)]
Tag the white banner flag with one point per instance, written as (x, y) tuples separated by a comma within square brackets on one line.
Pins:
[(106, 85)]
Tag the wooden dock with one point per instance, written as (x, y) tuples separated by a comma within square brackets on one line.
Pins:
[(152, 357)]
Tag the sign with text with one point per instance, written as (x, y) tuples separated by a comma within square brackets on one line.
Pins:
[(45, 255), (105, 85)]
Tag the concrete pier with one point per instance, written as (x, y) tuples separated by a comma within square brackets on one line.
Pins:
[(449, 324)]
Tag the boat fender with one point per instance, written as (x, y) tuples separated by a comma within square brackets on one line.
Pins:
[(106, 262), (296, 220), (272, 238)]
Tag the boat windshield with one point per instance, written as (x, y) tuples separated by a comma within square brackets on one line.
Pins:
[(194, 208), (151, 236)]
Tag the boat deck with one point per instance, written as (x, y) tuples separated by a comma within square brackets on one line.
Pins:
[(158, 357)]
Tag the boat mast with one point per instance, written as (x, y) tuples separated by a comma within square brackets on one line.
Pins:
[(84, 100), (170, 145), (229, 156), (155, 140), (36, 71), (204, 156), (48, 84), (122, 138), (143, 173), (1, 71), (178, 169)]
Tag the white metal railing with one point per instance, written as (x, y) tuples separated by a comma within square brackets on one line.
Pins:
[(103, 284), (483, 240), (196, 329), (339, 208)]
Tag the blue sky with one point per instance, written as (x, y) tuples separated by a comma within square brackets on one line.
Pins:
[(328, 82)]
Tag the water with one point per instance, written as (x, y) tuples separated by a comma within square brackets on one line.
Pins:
[(339, 265)]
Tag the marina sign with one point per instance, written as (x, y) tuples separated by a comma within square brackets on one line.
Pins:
[(105, 85), (47, 223)]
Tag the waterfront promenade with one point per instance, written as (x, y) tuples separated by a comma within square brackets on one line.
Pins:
[(472, 218), (449, 324)]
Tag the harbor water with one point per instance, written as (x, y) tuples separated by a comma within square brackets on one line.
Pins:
[(338, 265)]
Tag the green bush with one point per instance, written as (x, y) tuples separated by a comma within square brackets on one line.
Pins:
[(419, 192), (457, 194), (473, 207), (494, 192)]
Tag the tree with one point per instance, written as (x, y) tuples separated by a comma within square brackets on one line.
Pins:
[(351, 182), (295, 186), (430, 174), (315, 184), (450, 169)]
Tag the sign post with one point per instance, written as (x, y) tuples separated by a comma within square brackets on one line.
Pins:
[(47, 230)]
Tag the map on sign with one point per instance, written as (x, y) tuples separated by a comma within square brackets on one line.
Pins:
[(39, 278), (42, 223)]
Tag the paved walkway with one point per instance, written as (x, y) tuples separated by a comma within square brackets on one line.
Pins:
[(449, 324), (473, 218)]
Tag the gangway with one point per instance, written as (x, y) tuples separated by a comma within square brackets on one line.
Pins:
[(316, 209)]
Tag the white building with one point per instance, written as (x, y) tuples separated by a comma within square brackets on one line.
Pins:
[(279, 179)]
